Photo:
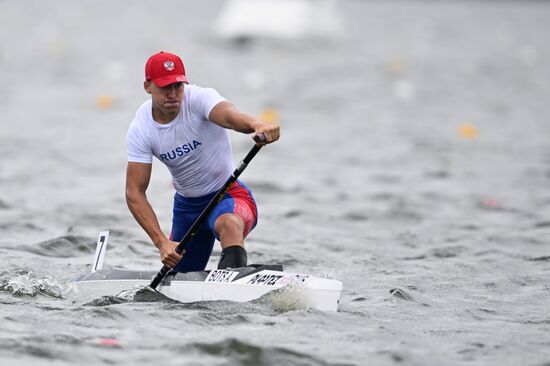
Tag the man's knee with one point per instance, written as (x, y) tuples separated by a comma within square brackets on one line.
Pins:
[(229, 223)]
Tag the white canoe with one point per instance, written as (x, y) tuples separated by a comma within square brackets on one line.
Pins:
[(238, 284)]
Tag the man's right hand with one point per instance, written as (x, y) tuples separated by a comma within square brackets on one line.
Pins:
[(168, 255)]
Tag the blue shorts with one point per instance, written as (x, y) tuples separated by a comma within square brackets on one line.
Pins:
[(237, 200)]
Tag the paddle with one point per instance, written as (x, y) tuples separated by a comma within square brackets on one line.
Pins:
[(204, 214)]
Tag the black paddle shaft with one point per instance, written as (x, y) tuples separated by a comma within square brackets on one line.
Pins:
[(208, 209)]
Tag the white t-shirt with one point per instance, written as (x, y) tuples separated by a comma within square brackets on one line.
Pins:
[(196, 150)]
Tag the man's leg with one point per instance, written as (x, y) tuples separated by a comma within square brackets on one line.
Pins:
[(230, 228), (232, 220), (199, 248)]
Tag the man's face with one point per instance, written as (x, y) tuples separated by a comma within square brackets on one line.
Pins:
[(168, 99)]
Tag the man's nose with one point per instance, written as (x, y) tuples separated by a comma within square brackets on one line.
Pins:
[(171, 90)]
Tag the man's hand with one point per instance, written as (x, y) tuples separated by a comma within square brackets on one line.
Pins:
[(168, 255), (270, 131)]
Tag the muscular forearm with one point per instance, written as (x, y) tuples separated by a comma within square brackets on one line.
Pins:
[(143, 213), (226, 115), (243, 122)]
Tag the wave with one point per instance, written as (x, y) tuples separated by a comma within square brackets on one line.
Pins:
[(401, 294), (63, 247), (238, 352)]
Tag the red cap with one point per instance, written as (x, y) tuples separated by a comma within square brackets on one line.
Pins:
[(165, 68)]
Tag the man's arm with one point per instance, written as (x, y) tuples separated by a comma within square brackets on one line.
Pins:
[(226, 115), (138, 176)]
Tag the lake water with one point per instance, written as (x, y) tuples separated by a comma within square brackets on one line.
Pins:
[(414, 166)]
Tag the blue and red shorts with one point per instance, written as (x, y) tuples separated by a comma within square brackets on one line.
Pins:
[(237, 200)]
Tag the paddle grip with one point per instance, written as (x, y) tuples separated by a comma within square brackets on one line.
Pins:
[(259, 138)]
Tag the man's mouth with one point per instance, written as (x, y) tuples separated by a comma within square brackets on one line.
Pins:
[(171, 103)]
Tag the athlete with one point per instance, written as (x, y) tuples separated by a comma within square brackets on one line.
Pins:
[(185, 126)]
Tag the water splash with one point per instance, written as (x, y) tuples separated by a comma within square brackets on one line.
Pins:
[(29, 285), (284, 299), (143, 294)]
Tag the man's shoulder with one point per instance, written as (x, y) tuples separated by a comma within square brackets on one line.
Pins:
[(196, 91), (195, 87), (142, 113), (140, 123), (144, 109), (201, 100)]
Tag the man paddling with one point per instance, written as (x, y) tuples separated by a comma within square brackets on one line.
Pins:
[(185, 127)]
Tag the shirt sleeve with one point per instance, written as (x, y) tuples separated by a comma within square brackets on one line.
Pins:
[(204, 100), (138, 149)]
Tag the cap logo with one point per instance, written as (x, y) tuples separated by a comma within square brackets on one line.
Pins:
[(169, 65)]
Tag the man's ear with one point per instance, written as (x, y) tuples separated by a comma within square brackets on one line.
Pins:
[(147, 86)]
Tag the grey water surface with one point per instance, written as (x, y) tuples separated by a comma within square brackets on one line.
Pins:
[(414, 166)]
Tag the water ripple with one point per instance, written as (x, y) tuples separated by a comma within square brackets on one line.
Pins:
[(403, 295), (4, 205), (448, 252)]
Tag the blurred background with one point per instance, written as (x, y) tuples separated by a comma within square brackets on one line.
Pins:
[(414, 155), (358, 86)]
